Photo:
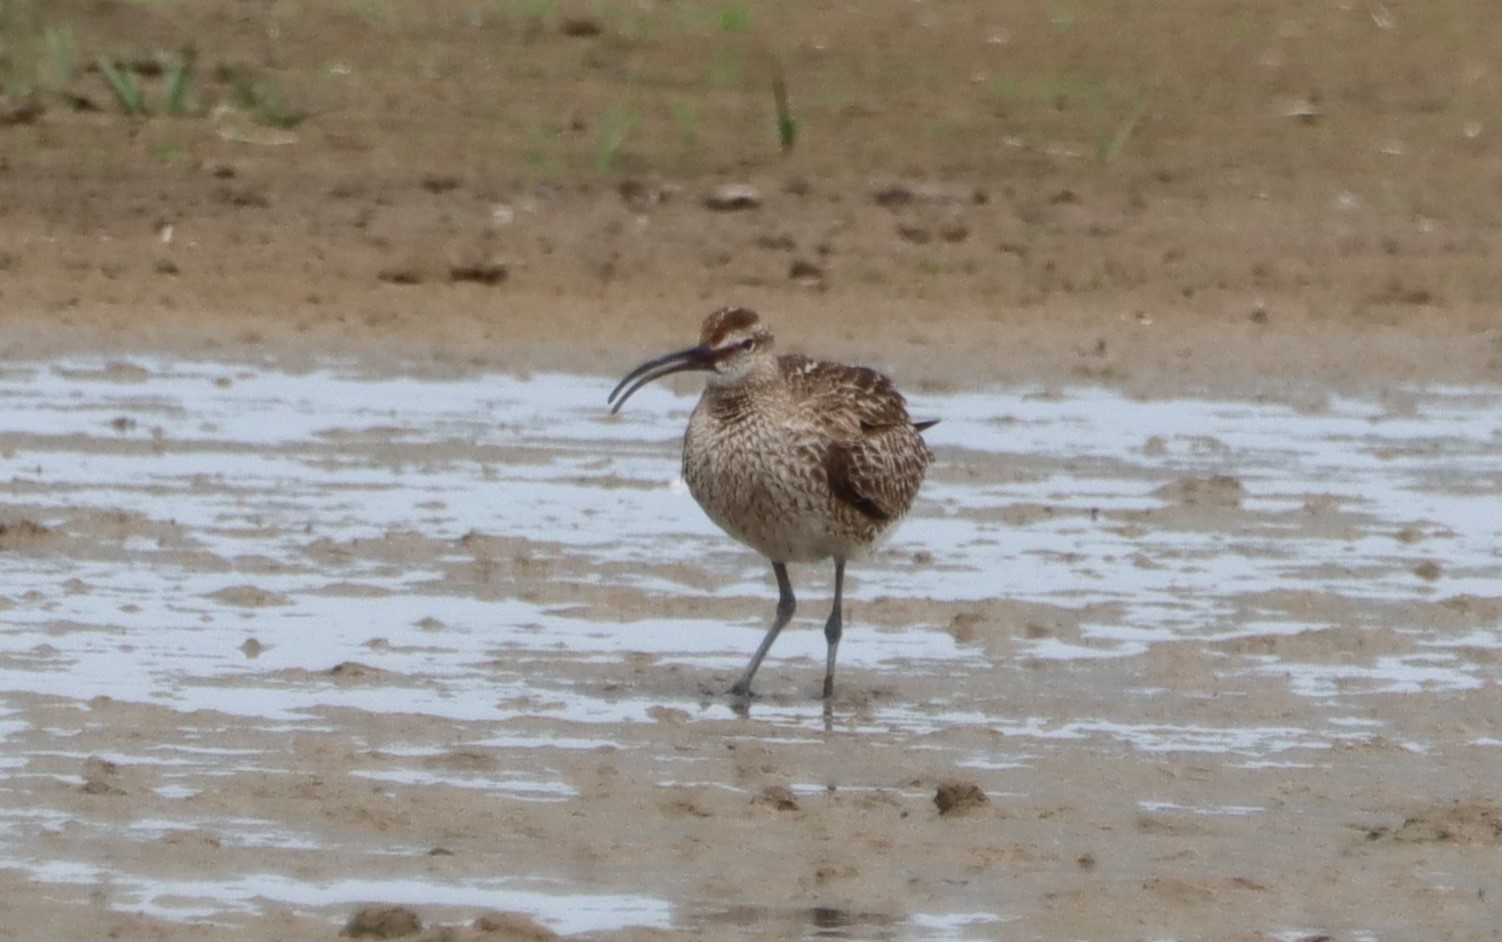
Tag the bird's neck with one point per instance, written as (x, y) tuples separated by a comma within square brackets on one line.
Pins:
[(733, 399)]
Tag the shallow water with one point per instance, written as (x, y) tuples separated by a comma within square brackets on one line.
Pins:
[(487, 549)]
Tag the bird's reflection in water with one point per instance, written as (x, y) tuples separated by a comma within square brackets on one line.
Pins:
[(744, 706)]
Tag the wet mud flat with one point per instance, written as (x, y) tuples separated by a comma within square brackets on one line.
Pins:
[(279, 645)]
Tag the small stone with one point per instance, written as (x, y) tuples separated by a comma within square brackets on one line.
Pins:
[(580, 27), (245, 197), (905, 194), (781, 242), (482, 273), (400, 275), (21, 111), (954, 232), (440, 182), (733, 197), (1304, 110), (806, 273), (636, 194)]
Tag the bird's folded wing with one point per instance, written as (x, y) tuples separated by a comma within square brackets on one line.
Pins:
[(878, 473), (875, 458)]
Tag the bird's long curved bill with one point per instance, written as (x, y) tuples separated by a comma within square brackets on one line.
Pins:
[(694, 358)]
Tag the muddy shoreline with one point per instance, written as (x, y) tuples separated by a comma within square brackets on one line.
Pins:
[(331, 583), (298, 643)]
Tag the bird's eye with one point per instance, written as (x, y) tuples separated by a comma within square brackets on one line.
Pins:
[(748, 343)]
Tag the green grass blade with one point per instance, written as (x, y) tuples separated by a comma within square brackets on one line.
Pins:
[(62, 53), (787, 125), (126, 86), (615, 126), (1118, 141), (265, 100), (242, 88), (735, 17), (686, 116), (179, 78)]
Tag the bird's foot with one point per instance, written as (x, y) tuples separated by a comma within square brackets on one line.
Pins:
[(741, 690)]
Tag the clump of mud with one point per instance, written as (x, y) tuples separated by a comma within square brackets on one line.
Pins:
[(958, 797), (1455, 823), (382, 922), (99, 777), (514, 928), (25, 534), (1219, 491), (779, 797)]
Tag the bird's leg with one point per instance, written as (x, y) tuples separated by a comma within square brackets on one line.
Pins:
[(834, 626), (785, 606)]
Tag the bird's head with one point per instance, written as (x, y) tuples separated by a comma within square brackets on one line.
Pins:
[(732, 342)]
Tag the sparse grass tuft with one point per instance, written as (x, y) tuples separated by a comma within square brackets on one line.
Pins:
[(264, 100), (787, 125), (535, 9), (1112, 147), (686, 116), (125, 84), (179, 80), (62, 53), (1062, 16), (735, 17), (616, 125)]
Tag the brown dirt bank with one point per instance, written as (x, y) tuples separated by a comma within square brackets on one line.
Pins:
[(1192, 195)]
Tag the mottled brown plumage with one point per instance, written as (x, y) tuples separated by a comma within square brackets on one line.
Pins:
[(799, 459)]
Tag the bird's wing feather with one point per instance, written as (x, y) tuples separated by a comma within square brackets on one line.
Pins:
[(850, 481), (836, 393), (875, 458)]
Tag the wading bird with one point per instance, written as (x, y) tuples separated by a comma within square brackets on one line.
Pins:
[(799, 459)]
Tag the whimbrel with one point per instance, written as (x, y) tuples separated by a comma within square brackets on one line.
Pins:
[(799, 459)]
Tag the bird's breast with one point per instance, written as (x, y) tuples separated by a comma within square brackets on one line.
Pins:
[(763, 482)]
